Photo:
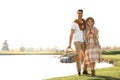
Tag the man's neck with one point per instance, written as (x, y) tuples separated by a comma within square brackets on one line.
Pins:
[(80, 19)]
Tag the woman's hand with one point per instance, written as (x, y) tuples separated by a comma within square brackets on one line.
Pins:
[(88, 32), (92, 31)]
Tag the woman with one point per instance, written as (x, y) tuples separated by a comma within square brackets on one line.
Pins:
[(93, 49)]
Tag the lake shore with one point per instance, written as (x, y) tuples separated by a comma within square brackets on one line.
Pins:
[(30, 53)]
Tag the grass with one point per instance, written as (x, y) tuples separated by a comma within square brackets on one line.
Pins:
[(112, 73)]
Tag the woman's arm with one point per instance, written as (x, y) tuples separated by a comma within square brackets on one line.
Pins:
[(86, 35), (94, 31)]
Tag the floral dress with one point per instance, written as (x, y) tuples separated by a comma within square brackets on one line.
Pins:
[(93, 50)]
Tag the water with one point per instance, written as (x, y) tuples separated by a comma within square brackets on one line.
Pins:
[(33, 67)]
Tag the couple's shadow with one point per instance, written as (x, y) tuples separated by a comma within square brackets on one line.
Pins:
[(103, 78)]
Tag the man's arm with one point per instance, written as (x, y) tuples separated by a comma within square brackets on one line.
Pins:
[(71, 37)]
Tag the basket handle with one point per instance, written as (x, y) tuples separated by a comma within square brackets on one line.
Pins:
[(69, 50)]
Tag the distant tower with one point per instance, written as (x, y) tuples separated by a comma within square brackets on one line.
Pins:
[(5, 46)]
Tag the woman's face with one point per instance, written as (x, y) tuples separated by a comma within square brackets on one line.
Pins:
[(90, 23)]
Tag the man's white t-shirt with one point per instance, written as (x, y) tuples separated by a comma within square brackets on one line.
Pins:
[(78, 35)]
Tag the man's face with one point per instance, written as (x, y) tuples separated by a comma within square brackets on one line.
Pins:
[(80, 14)]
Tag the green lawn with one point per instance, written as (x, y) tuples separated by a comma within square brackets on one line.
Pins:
[(112, 73)]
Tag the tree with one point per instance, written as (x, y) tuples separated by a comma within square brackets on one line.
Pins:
[(22, 49), (5, 46)]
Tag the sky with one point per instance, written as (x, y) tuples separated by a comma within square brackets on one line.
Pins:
[(47, 23)]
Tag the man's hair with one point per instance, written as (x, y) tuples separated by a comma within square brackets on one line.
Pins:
[(80, 10)]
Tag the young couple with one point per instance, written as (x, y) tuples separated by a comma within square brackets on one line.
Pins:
[(86, 43)]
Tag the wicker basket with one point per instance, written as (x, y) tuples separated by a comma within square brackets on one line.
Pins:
[(69, 56)]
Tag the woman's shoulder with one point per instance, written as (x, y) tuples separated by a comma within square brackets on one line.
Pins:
[(95, 29)]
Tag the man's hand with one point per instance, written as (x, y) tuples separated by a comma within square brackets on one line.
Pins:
[(69, 47)]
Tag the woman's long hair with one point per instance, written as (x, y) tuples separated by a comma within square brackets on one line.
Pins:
[(90, 18)]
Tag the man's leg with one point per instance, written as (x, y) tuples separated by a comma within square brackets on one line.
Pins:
[(85, 69), (77, 47)]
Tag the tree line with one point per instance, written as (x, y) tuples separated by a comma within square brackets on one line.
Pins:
[(5, 47)]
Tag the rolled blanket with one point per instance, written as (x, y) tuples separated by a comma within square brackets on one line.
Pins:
[(68, 58)]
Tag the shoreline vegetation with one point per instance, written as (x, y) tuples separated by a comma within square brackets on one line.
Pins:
[(30, 53), (104, 52)]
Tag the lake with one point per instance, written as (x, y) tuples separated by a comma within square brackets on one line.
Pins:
[(35, 67)]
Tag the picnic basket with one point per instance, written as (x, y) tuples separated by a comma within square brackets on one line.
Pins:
[(69, 56)]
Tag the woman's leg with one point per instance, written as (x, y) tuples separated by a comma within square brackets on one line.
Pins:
[(84, 62), (92, 68)]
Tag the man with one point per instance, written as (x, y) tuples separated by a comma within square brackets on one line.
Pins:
[(77, 30)]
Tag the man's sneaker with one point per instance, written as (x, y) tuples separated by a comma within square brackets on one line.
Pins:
[(79, 73), (86, 72)]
